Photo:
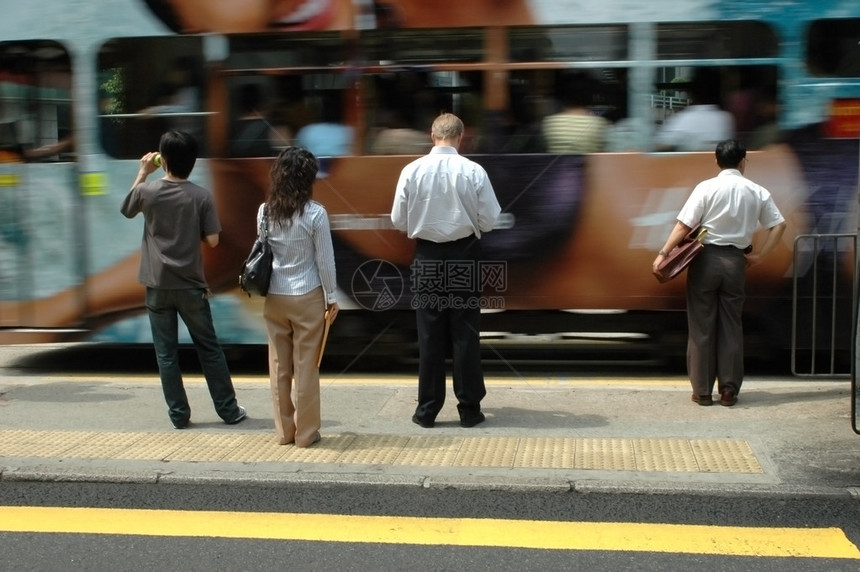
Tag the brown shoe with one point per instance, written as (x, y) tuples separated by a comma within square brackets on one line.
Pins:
[(703, 399), (727, 398)]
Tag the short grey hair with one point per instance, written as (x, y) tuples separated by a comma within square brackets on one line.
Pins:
[(447, 126)]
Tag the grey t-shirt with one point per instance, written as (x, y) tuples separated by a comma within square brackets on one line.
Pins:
[(178, 216)]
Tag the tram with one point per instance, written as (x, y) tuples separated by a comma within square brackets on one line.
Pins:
[(87, 87)]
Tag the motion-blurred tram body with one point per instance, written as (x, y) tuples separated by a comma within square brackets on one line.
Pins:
[(84, 97)]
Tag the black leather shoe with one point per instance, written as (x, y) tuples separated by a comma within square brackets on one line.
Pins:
[(727, 399), (423, 423), (472, 420), (703, 399)]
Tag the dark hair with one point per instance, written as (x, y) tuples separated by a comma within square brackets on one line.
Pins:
[(577, 90), (179, 150), (293, 174), (730, 153), (705, 87)]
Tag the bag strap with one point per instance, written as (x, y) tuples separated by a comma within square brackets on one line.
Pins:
[(263, 230)]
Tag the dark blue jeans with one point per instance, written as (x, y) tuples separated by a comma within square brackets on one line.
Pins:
[(191, 304)]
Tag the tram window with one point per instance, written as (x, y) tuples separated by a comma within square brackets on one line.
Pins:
[(535, 95), (833, 48), (743, 103), (270, 111), (401, 105), (35, 101), (272, 51), (252, 129), (326, 131), (704, 40), (568, 43), (279, 93), (461, 45), (147, 86)]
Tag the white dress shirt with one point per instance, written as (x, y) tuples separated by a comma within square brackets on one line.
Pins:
[(443, 196), (731, 207), (696, 128)]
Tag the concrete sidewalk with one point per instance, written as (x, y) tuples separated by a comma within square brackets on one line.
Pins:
[(784, 437)]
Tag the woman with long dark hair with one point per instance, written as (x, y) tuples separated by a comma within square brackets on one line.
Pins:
[(301, 292)]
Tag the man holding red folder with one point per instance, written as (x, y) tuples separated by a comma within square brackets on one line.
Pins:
[(730, 207)]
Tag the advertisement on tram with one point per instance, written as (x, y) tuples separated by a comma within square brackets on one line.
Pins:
[(85, 94)]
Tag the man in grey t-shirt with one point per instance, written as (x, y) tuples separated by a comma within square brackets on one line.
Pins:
[(178, 215)]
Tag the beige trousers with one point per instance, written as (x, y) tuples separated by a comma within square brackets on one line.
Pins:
[(295, 328)]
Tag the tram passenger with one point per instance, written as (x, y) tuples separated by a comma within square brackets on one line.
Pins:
[(575, 129), (302, 293), (180, 93), (289, 111), (327, 137), (701, 125), (395, 137), (730, 207), (445, 202), (768, 131), (12, 151), (179, 214), (252, 132), (14, 122)]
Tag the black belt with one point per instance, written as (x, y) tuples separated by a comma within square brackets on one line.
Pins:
[(746, 250), (469, 238)]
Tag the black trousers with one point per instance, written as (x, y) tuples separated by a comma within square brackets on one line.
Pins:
[(446, 300), (715, 300)]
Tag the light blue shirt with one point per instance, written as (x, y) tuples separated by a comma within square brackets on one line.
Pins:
[(326, 139), (444, 196), (303, 257)]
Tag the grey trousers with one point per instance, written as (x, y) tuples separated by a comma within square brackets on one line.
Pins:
[(715, 299)]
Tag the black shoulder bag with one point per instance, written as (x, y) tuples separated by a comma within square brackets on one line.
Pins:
[(257, 269)]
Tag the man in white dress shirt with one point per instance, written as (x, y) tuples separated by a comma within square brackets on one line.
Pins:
[(731, 207), (445, 202)]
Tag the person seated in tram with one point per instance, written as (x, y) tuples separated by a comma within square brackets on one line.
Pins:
[(575, 129), (702, 124)]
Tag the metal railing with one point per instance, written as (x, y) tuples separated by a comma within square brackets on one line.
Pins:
[(669, 102), (824, 298)]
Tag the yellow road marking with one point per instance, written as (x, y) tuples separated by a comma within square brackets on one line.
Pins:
[(697, 539)]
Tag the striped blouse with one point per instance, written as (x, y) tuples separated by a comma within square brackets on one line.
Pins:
[(303, 254), (574, 133)]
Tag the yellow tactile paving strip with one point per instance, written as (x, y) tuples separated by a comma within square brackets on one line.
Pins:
[(660, 455)]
